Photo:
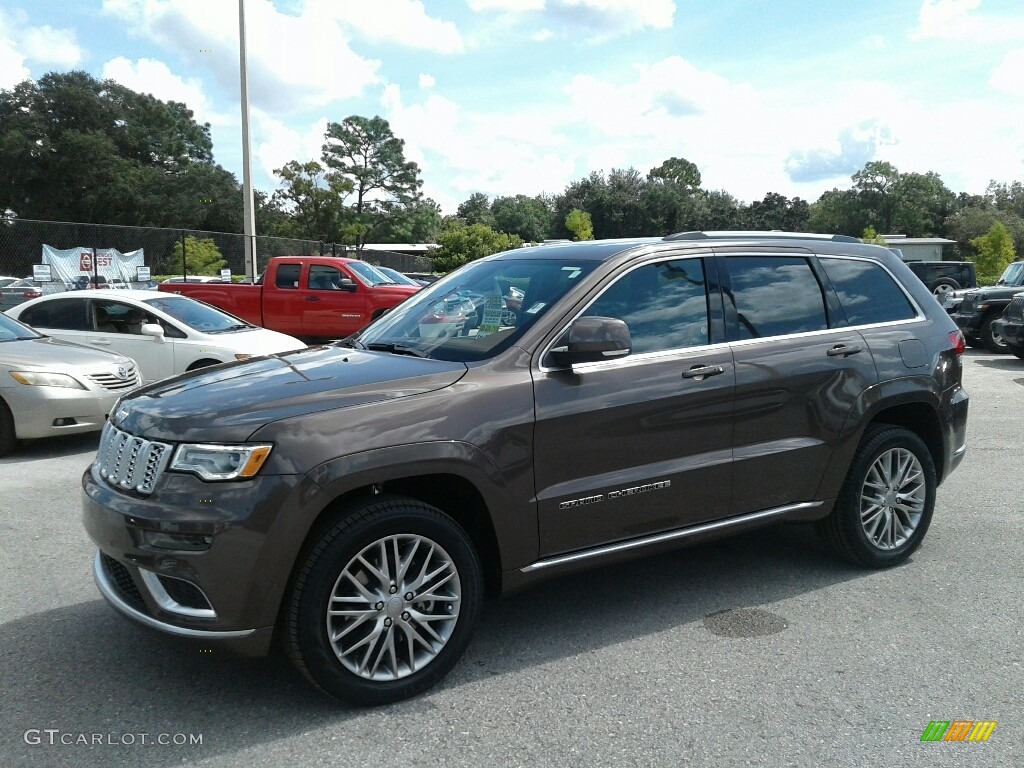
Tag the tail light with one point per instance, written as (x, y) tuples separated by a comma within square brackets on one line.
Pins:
[(956, 338), (31, 294)]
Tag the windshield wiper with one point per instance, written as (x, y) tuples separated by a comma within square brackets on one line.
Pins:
[(395, 349), (352, 342)]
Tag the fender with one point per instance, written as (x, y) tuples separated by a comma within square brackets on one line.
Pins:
[(906, 390)]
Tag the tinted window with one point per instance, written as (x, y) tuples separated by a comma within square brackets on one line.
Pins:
[(61, 314), (665, 305), (773, 296), (197, 315), (324, 278), (288, 276), (12, 330), (867, 292)]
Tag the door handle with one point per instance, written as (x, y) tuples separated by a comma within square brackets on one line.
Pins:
[(100, 342), (843, 350), (312, 298), (698, 372)]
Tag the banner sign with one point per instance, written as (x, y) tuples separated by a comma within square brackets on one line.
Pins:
[(74, 266)]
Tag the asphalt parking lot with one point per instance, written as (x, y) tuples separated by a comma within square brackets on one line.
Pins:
[(762, 650)]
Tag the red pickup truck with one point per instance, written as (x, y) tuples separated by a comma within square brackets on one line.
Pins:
[(318, 297)]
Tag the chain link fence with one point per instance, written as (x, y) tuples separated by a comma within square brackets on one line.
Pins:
[(22, 241)]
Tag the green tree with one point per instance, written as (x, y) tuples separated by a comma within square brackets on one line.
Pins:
[(578, 222), (419, 222), (476, 209), (995, 252), (527, 217), (74, 148), (776, 211), (839, 212), (678, 172), (870, 236), (314, 199), (875, 184), (202, 257), (368, 155), (461, 243), (921, 203)]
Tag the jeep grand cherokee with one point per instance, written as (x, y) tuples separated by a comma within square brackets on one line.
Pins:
[(358, 499)]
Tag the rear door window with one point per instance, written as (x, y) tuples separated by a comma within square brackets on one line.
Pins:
[(59, 314), (288, 276), (867, 291), (772, 296)]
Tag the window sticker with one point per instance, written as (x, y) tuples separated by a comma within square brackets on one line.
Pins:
[(492, 316)]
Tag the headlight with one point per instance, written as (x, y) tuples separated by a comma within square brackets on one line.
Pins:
[(220, 462), (38, 379)]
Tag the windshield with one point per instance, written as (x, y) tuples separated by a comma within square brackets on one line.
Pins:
[(368, 273), (12, 330), (476, 311), (1013, 274), (197, 315), (397, 277)]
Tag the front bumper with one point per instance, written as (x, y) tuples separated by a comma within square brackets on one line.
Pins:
[(970, 324), (1012, 332), (35, 409), (228, 593)]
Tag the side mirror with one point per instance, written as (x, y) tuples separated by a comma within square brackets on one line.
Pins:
[(152, 329), (345, 284), (592, 340)]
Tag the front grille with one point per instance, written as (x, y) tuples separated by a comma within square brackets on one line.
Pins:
[(967, 305), (185, 593), (123, 583), (1015, 310), (130, 462), (111, 381)]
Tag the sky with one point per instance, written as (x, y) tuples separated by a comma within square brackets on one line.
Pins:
[(510, 97)]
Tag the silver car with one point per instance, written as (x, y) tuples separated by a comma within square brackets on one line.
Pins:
[(50, 387)]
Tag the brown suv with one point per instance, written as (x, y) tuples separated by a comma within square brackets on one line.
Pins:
[(538, 411)]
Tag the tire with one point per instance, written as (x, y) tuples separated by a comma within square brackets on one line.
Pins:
[(341, 565), (202, 364), (944, 285), (859, 530), (973, 343), (8, 437), (992, 339)]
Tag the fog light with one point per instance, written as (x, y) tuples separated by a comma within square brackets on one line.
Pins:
[(182, 542), (64, 422)]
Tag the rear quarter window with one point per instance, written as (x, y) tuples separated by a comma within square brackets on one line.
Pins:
[(867, 292)]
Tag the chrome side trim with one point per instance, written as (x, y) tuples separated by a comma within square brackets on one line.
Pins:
[(658, 538), (168, 603), (108, 591)]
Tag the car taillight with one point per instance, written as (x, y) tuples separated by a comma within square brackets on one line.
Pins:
[(956, 338), (33, 294)]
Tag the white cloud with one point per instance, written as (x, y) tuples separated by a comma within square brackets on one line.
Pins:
[(1009, 75), (608, 18), (945, 18), (21, 43), (50, 46), (278, 144), (155, 77), (294, 62), (427, 81), (400, 22)]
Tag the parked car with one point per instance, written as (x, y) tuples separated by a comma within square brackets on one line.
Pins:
[(317, 297), (423, 277), (164, 333), (978, 310), (24, 289), (943, 277), (649, 393), (84, 282), (192, 279), (5, 281), (50, 387), (1010, 327)]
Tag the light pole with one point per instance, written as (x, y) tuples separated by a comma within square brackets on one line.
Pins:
[(248, 209)]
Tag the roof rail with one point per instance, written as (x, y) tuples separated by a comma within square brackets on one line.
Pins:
[(744, 234)]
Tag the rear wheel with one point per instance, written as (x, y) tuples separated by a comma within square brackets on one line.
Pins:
[(992, 338), (385, 602), (944, 285), (8, 438), (886, 502)]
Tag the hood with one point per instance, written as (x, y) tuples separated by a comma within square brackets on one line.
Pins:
[(51, 354), (227, 403)]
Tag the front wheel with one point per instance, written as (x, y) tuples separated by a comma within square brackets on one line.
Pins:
[(992, 338), (886, 502), (385, 602)]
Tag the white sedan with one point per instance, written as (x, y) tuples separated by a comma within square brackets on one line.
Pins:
[(164, 333)]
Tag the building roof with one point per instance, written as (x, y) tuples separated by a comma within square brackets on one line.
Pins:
[(898, 240)]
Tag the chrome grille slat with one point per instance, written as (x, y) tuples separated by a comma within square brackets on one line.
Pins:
[(129, 462), (113, 382)]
